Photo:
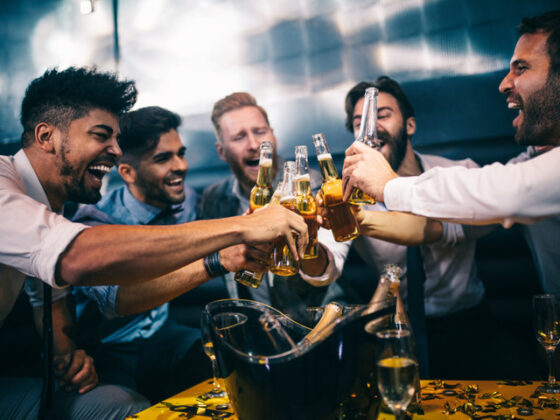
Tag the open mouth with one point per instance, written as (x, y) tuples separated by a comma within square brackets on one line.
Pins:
[(175, 183), (98, 171), (252, 163), (516, 105)]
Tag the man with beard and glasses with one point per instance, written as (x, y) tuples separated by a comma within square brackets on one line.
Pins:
[(69, 142), (454, 306), (525, 190), (157, 356), (240, 126)]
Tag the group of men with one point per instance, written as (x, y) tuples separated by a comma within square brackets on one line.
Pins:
[(77, 125)]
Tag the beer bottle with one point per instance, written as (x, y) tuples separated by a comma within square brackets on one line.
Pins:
[(341, 218), (260, 196), (283, 262), (305, 202), (367, 135)]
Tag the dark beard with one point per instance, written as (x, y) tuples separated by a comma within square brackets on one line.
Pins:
[(74, 185), (541, 119), (397, 147)]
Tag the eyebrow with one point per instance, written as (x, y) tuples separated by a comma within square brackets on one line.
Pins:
[(383, 108), (103, 127), (168, 153), (517, 62)]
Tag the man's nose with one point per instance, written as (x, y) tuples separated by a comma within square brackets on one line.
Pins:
[(506, 84), (180, 164), (254, 142), (114, 148)]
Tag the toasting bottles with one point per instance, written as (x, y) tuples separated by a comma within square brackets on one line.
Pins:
[(260, 196), (341, 218), (283, 262), (305, 202), (367, 135)]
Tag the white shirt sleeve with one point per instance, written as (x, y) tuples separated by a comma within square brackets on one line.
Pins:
[(336, 254), (33, 237), (522, 192)]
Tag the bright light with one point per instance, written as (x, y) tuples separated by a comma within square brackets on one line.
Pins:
[(87, 7)]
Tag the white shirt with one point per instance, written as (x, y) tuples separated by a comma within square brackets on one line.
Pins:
[(33, 236), (543, 239), (518, 192), (451, 282)]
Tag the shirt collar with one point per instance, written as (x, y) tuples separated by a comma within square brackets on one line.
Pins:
[(143, 213), (33, 187), (243, 201)]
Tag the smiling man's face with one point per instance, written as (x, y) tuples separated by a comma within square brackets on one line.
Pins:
[(533, 91), (242, 132), (86, 152)]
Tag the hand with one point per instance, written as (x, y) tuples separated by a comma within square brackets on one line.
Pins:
[(272, 222), (322, 218), (366, 169), (239, 257), (75, 370)]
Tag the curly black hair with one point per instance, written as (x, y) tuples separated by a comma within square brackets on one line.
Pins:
[(548, 22), (59, 97), (384, 84), (142, 129)]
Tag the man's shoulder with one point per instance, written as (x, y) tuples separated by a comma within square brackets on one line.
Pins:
[(217, 200), (431, 161), (101, 212)]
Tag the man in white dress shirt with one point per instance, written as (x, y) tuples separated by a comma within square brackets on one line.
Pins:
[(525, 190)]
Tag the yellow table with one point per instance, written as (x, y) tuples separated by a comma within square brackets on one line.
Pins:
[(435, 403)]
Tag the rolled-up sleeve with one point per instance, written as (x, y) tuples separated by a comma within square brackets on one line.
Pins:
[(33, 237)]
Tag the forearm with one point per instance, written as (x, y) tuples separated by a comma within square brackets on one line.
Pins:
[(315, 266), (399, 228), (141, 297), (62, 322), (131, 254)]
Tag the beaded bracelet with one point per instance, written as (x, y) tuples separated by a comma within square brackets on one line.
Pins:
[(213, 266)]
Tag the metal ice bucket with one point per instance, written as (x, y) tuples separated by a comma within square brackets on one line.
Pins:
[(333, 378)]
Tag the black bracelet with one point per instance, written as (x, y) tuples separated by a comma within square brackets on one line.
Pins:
[(213, 266)]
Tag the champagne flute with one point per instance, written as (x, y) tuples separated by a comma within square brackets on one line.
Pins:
[(547, 328), (208, 346), (397, 369)]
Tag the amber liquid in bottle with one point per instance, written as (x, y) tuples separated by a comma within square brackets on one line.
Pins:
[(305, 201), (341, 218), (260, 196), (283, 262)]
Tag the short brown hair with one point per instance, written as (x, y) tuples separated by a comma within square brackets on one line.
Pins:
[(231, 102)]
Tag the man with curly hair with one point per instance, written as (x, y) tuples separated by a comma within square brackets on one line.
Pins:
[(69, 142)]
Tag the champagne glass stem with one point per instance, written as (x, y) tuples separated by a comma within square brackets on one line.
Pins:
[(216, 387), (399, 414), (550, 360)]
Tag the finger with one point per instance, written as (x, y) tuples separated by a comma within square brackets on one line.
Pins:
[(347, 189), (89, 385)]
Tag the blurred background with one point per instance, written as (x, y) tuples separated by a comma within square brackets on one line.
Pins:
[(297, 57)]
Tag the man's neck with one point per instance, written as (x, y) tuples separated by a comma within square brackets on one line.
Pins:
[(46, 174), (409, 165)]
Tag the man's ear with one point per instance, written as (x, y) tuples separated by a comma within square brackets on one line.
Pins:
[(220, 150), (127, 173), (410, 126), (45, 136)]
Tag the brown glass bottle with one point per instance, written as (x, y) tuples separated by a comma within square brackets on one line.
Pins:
[(341, 218)]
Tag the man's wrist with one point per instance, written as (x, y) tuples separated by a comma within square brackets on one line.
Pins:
[(213, 265)]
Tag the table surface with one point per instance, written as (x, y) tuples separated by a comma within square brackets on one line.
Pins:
[(484, 399)]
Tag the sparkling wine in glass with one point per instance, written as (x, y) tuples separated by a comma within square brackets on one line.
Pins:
[(547, 328), (397, 369), (208, 346)]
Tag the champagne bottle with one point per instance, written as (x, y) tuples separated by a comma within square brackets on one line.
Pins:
[(260, 196), (341, 218), (305, 202), (367, 135), (331, 312), (283, 262)]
